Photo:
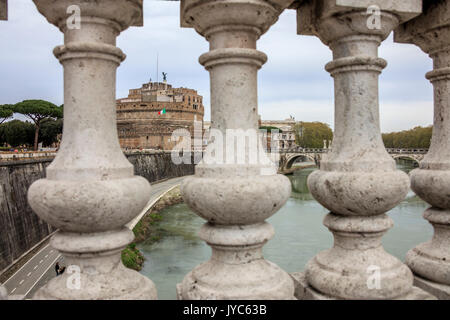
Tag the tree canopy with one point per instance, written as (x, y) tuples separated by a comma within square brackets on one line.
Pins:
[(16, 133), (37, 110), (50, 130), (6, 112), (312, 134), (418, 137)]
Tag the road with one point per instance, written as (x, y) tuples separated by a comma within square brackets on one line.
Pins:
[(36, 272)]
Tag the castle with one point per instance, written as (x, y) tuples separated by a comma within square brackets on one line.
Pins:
[(149, 115)]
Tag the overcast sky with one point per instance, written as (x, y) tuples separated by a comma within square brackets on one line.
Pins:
[(293, 82)]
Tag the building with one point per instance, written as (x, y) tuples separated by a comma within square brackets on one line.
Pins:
[(283, 139), (149, 115)]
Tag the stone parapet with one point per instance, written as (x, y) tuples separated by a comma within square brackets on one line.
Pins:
[(358, 180), (430, 261), (91, 191)]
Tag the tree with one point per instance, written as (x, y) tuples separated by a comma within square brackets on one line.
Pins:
[(37, 110), (50, 129), (418, 137), (6, 112), (16, 133), (312, 134)]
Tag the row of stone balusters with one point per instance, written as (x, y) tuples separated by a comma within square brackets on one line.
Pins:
[(90, 192)]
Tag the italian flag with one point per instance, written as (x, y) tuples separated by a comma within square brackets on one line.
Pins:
[(163, 111)]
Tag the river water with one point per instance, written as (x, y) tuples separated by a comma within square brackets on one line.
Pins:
[(299, 235)]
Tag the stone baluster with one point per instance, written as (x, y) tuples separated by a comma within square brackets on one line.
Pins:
[(358, 180), (90, 191), (430, 261), (3, 293), (235, 197)]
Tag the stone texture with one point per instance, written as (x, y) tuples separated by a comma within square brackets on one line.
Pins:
[(430, 261), (20, 227), (3, 293), (157, 165), (90, 191), (440, 291), (235, 198), (358, 180), (303, 291)]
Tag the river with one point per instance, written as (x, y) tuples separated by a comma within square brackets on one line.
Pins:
[(299, 235)]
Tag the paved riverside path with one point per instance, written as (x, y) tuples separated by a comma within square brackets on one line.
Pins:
[(41, 267)]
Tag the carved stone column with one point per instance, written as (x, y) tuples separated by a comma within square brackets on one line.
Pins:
[(430, 261), (235, 197), (90, 191), (358, 180)]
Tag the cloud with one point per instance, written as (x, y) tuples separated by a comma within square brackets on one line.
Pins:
[(303, 110), (401, 115), (293, 82)]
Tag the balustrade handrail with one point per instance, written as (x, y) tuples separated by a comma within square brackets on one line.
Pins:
[(91, 193), (323, 150)]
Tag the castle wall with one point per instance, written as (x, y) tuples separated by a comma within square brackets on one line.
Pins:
[(141, 127)]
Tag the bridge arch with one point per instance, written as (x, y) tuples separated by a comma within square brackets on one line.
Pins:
[(411, 157), (290, 161)]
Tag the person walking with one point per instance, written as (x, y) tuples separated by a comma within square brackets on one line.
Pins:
[(57, 269)]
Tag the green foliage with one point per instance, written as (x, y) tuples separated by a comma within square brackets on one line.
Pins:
[(132, 258), (6, 112), (145, 226), (16, 133), (49, 131), (270, 128), (312, 134), (418, 137), (37, 110)]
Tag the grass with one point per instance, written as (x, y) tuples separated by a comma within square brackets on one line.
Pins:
[(132, 258), (145, 230)]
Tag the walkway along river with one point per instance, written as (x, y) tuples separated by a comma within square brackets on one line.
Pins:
[(299, 235)]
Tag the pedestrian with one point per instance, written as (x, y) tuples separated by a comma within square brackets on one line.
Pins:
[(57, 268), (61, 271)]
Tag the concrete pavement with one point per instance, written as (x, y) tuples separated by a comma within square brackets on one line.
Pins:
[(40, 268), (20, 284)]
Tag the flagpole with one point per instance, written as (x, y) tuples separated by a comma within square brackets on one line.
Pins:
[(157, 67)]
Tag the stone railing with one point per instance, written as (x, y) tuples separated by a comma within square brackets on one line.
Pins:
[(322, 150), (11, 156), (90, 194), (407, 151)]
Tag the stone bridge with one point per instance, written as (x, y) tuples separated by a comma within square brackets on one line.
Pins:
[(288, 157)]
